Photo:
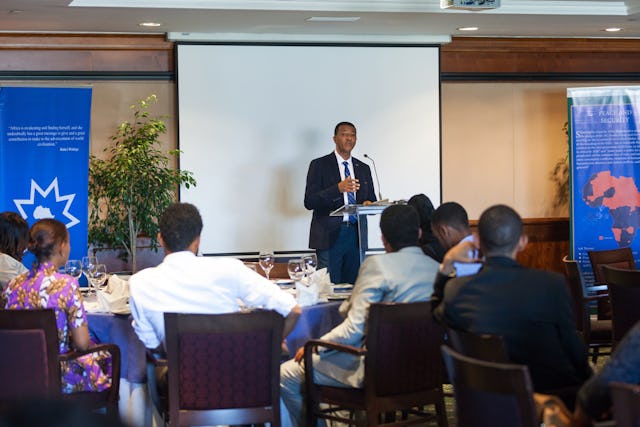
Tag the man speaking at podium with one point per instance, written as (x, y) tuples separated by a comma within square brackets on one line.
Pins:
[(335, 180)]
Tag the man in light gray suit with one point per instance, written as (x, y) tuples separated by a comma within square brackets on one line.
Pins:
[(403, 274)]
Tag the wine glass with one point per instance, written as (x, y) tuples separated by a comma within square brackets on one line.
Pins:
[(310, 263), (88, 266), (295, 268), (73, 268), (266, 260), (98, 276)]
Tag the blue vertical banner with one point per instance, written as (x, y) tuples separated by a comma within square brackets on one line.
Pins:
[(44, 156), (605, 171)]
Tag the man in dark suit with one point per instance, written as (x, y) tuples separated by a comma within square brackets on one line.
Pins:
[(530, 309), (335, 180)]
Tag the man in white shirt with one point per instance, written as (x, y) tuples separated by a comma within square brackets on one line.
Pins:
[(450, 225), (186, 283)]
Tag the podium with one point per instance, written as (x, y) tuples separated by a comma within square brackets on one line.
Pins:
[(360, 211)]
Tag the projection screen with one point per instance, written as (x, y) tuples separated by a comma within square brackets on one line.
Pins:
[(252, 117)]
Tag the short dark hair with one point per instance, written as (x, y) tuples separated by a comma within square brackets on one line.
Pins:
[(451, 214), (45, 237), (335, 130), (399, 225), (180, 224), (499, 229), (14, 235)]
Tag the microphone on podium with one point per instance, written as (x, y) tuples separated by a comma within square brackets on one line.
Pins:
[(375, 171)]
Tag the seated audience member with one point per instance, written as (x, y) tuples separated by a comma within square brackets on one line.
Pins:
[(186, 283), (14, 238), (594, 397), (44, 287), (428, 241), (531, 309), (403, 274), (450, 224)]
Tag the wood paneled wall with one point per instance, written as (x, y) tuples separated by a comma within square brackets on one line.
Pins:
[(548, 243), (77, 53), (540, 57)]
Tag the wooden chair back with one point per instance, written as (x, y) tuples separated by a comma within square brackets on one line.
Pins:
[(403, 369), (490, 393), (224, 368), (624, 292), (487, 347)]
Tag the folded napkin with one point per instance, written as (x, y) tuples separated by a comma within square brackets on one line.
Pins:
[(306, 294), (115, 297), (322, 280)]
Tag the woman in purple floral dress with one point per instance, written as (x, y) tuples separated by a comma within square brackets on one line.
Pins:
[(44, 287)]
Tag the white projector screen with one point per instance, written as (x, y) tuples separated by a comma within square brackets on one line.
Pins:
[(252, 117)]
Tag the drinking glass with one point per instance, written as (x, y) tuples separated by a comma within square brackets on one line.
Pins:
[(98, 276), (73, 268), (295, 268), (88, 266), (310, 264), (266, 260)]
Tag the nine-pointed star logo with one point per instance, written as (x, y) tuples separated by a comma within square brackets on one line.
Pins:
[(41, 206)]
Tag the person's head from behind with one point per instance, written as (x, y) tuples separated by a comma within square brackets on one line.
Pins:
[(180, 228), (450, 224), (49, 242), (422, 204), (14, 235), (400, 227), (500, 232)]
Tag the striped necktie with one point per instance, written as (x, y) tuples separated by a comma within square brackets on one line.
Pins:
[(351, 197)]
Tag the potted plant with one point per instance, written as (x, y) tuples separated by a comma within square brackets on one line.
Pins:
[(129, 190)]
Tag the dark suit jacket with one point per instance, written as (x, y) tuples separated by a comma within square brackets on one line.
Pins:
[(322, 196), (531, 309)]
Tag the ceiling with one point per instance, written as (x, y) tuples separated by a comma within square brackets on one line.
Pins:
[(286, 20)]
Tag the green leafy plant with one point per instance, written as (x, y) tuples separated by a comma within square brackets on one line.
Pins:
[(130, 189), (560, 174)]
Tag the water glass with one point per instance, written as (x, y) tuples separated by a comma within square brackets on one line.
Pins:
[(295, 268), (98, 277), (73, 268), (88, 266), (267, 261), (310, 264)]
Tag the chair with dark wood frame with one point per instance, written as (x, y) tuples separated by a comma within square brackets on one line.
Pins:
[(30, 362), (224, 368), (490, 393), (619, 258), (487, 347), (596, 333), (403, 370), (624, 293), (626, 404)]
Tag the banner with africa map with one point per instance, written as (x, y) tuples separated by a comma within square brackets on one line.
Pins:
[(44, 157), (605, 171)]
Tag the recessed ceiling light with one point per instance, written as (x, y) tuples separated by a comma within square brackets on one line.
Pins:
[(468, 29), (613, 29), (150, 24), (333, 19)]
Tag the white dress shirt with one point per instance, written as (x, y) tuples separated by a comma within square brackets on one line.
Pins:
[(185, 283)]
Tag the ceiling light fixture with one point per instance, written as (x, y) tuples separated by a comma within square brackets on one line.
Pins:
[(333, 19), (468, 29), (613, 29), (150, 24)]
